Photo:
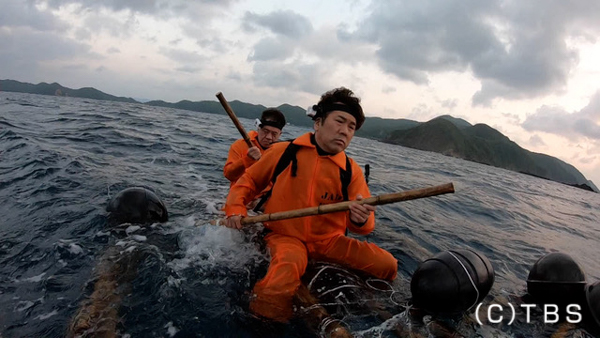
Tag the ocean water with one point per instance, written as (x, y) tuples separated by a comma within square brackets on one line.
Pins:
[(62, 159)]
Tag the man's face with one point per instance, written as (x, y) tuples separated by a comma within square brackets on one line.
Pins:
[(267, 135), (335, 132)]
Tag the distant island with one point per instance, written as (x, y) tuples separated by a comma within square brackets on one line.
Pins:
[(444, 134)]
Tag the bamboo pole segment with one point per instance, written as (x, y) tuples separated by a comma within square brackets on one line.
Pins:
[(234, 118), (343, 206)]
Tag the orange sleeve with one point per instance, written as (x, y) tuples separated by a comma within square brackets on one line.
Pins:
[(237, 161), (253, 181), (358, 185)]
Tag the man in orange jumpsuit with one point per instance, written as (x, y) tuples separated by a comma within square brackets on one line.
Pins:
[(240, 157), (313, 180)]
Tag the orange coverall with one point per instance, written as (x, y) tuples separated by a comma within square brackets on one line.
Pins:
[(320, 237), (238, 159)]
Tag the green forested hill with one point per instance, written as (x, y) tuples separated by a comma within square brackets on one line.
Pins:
[(445, 134), (56, 89), (484, 144)]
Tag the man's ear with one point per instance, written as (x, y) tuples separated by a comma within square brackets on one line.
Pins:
[(317, 123)]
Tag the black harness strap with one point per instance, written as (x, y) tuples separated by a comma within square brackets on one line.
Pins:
[(345, 178), (289, 156)]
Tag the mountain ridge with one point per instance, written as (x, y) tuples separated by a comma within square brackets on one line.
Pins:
[(444, 134)]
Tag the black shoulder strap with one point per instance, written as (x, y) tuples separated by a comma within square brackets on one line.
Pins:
[(345, 178), (289, 155)]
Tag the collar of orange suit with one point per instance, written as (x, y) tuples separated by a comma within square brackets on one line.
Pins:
[(253, 136), (339, 158)]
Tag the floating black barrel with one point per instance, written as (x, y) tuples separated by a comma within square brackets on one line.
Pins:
[(137, 205), (557, 279), (452, 282), (592, 296)]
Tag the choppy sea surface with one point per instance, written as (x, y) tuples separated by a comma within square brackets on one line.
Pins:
[(62, 159)]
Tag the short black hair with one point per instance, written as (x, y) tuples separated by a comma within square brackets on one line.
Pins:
[(273, 117), (346, 97)]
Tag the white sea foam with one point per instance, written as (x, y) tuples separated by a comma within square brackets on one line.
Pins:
[(171, 330), (24, 305), (103, 233), (132, 228), (139, 238), (47, 315), (75, 249), (377, 331), (34, 279), (211, 208), (130, 249), (210, 246), (71, 247)]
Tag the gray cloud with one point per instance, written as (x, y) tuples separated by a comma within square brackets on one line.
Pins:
[(142, 6), (236, 76), (199, 12), (297, 76), (207, 38), (450, 103), (516, 49), (388, 89), (588, 160), (325, 43), (271, 49), (421, 112), (536, 141), (188, 69), (160, 7), (513, 119), (182, 56), (22, 50), (96, 23), (284, 23), (555, 120), (19, 13)]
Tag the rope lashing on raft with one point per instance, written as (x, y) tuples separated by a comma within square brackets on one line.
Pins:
[(470, 279), (391, 288), (328, 321)]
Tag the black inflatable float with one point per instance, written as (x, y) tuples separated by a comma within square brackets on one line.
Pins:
[(451, 282), (592, 296), (556, 278), (137, 205)]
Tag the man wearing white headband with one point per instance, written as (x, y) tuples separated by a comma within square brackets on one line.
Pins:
[(240, 157)]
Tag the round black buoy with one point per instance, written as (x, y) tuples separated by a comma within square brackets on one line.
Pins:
[(137, 205), (592, 296), (451, 282), (556, 279)]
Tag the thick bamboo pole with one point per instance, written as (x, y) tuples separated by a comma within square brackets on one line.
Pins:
[(234, 118), (343, 206)]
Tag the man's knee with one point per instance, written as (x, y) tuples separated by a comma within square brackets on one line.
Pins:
[(386, 266)]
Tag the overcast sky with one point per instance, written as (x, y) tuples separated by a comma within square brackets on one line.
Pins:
[(530, 69)]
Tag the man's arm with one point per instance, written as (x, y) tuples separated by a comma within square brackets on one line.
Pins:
[(254, 180), (237, 161), (358, 214)]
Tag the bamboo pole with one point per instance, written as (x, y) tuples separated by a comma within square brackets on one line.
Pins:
[(343, 206), (234, 118)]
